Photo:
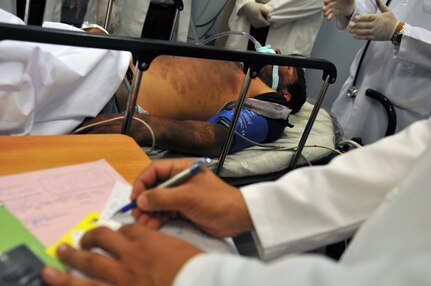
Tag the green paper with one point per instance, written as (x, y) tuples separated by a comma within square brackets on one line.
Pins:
[(14, 233)]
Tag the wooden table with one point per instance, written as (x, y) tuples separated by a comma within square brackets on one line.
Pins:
[(28, 153)]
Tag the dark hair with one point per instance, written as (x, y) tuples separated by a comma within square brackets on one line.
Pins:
[(298, 89)]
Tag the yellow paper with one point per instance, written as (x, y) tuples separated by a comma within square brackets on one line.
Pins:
[(72, 237)]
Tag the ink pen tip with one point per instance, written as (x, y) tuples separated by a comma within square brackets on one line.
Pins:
[(115, 215)]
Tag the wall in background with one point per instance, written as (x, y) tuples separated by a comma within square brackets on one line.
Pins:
[(337, 47)]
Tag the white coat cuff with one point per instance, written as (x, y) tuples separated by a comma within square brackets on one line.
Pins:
[(263, 226), (417, 40)]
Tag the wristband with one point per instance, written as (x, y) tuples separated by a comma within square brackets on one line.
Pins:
[(398, 34)]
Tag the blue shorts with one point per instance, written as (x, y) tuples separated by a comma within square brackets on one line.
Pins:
[(250, 125)]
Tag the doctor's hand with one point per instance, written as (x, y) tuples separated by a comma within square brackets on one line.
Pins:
[(375, 27), (334, 8), (137, 256), (214, 206), (257, 14)]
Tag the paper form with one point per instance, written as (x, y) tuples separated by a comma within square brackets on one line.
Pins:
[(120, 196), (50, 202)]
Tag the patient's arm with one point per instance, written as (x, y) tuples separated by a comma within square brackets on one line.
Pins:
[(184, 136), (180, 94)]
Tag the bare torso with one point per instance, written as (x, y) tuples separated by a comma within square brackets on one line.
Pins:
[(190, 88)]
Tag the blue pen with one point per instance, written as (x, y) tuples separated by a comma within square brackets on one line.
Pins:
[(175, 180)]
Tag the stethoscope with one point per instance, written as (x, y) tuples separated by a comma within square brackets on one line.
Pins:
[(353, 91)]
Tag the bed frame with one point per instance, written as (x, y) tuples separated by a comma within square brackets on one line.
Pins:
[(145, 51)]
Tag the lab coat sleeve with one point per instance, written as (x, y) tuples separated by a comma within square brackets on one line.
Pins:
[(226, 270), (285, 11), (312, 207), (415, 47), (384, 252), (304, 270)]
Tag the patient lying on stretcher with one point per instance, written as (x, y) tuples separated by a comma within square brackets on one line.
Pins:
[(50, 89), (186, 100)]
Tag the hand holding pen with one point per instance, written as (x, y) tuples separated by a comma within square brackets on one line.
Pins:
[(207, 201), (173, 181)]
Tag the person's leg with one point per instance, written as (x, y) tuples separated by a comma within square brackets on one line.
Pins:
[(184, 136)]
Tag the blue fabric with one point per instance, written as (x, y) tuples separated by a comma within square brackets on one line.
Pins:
[(250, 125), (110, 107)]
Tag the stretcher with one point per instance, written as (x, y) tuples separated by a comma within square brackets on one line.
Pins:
[(145, 51), (254, 164)]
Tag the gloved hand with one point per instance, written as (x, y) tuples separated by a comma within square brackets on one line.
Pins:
[(333, 8), (375, 27), (257, 14)]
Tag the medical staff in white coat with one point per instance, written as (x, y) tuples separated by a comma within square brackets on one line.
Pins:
[(397, 64), (382, 189), (129, 16), (51, 89), (293, 24), (52, 9)]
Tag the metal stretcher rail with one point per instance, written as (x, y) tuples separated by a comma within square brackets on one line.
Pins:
[(145, 51)]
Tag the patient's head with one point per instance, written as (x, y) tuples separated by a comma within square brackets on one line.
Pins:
[(291, 84)]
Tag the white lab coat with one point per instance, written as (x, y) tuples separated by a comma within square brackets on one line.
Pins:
[(387, 182), (51, 89), (8, 5), (52, 9), (294, 25), (402, 74), (129, 16)]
